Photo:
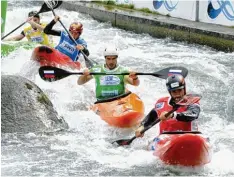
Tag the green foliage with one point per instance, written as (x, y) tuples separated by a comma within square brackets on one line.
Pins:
[(29, 86), (127, 6), (42, 98), (109, 2)]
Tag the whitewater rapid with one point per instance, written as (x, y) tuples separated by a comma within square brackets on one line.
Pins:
[(85, 149)]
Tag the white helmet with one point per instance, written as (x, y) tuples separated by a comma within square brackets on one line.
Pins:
[(111, 51)]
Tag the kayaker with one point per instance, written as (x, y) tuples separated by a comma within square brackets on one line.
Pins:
[(66, 44), (108, 86), (34, 33), (181, 120)]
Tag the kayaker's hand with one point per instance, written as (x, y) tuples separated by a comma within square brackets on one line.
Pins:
[(163, 117), (138, 131), (86, 72), (80, 47), (133, 75), (29, 20), (56, 18)]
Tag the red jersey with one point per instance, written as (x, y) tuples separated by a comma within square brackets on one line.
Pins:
[(173, 124)]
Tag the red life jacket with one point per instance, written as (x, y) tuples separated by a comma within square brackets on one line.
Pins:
[(172, 124)]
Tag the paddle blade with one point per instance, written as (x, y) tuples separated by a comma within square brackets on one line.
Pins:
[(122, 142), (165, 73), (51, 74), (48, 5)]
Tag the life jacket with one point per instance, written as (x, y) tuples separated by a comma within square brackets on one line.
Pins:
[(68, 47), (108, 85), (37, 36), (172, 124)]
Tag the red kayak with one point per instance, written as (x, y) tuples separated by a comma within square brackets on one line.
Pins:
[(183, 148), (48, 56)]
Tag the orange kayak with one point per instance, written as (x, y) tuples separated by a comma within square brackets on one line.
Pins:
[(48, 56), (183, 148), (123, 111)]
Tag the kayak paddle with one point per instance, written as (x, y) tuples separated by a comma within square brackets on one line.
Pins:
[(44, 8), (187, 100), (50, 73), (88, 61)]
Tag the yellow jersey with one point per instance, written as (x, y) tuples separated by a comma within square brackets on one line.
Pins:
[(37, 35)]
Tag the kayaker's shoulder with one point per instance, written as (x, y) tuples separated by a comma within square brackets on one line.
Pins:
[(81, 39), (96, 68)]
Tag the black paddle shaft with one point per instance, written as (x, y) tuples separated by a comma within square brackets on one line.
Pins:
[(60, 73)]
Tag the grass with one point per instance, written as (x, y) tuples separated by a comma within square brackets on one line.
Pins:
[(42, 98), (111, 4), (29, 86)]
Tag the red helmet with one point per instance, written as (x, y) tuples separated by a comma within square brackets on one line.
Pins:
[(76, 27)]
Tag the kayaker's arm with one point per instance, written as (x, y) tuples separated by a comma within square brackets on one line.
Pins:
[(85, 77), (40, 27), (83, 47), (190, 114), (16, 38), (86, 51), (48, 29), (148, 120)]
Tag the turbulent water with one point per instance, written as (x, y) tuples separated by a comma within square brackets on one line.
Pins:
[(85, 148)]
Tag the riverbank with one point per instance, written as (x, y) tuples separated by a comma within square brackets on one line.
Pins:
[(216, 36)]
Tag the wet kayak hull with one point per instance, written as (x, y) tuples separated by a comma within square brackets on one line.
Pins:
[(123, 112), (186, 149), (48, 56)]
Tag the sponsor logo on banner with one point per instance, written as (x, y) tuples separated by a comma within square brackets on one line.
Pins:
[(216, 7), (170, 5), (159, 105), (109, 80)]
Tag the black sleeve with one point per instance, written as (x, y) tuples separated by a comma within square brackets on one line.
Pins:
[(190, 114), (150, 118), (48, 29), (22, 33), (86, 51)]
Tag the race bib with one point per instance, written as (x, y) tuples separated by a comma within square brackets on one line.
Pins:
[(38, 39), (69, 48), (109, 80)]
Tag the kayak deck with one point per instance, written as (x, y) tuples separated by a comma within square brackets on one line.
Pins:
[(123, 111), (183, 148), (48, 56)]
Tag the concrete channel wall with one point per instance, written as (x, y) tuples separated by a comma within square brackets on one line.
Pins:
[(215, 36)]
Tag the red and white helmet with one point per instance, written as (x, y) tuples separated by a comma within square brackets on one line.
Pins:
[(76, 27)]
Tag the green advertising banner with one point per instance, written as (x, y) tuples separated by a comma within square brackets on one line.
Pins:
[(3, 16)]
